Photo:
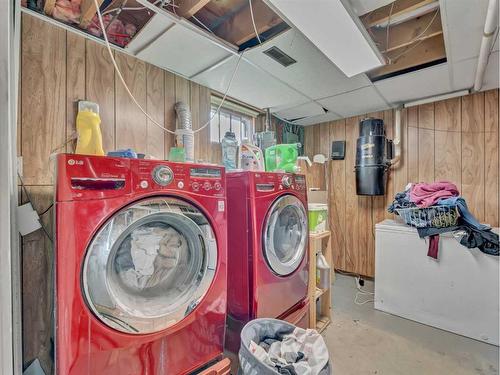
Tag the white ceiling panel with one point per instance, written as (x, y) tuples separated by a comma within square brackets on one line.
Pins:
[(318, 119), (463, 21), (491, 76), (250, 85), (183, 51), (356, 102), (416, 85), (364, 6), (313, 74), (303, 110), (464, 73), (157, 25)]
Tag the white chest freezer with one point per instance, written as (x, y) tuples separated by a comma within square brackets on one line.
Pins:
[(459, 292)]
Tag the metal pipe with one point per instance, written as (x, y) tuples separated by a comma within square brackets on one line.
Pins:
[(397, 137), (490, 27), (184, 132)]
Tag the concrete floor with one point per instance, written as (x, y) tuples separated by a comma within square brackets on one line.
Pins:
[(363, 340)]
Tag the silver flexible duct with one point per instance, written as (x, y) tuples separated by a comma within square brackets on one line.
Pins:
[(184, 132)]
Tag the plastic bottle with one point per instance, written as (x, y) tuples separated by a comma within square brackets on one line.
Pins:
[(229, 151), (88, 128), (251, 157), (324, 272)]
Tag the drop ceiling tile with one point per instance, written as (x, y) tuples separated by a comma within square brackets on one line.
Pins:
[(183, 51), (250, 85), (464, 74), (303, 110), (156, 26), (313, 74), (318, 119), (463, 22), (356, 102), (416, 85), (491, 76)]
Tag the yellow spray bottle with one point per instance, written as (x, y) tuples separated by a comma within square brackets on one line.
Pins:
[(88, 128)]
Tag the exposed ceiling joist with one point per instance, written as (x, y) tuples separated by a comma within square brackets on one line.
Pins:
[(409, 32), (423, 52), (187, 8), (399, 8), (238, 29)]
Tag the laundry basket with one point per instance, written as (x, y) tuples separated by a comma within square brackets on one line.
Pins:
[(256, 330), (430, 217)]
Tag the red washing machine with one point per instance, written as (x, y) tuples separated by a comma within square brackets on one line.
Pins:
[(267, 250), (141, 266)]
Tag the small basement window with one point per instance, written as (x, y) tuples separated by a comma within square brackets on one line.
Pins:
[(232, 117)]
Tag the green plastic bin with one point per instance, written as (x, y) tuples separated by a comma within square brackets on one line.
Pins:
[(318, 214)]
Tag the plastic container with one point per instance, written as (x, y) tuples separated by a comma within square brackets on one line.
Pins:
[(251, 158), (89, 130), (318, 217), (230, 151), (324, 272), (177, 154), (282, 157), (256, 330)]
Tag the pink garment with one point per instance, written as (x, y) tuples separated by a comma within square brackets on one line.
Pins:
[(425, 195), (118, 32)]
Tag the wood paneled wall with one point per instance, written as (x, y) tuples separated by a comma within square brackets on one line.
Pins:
[(57, 69), (455, 139)]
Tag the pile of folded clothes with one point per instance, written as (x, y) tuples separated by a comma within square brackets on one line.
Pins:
[(444, 197), (302, 352)]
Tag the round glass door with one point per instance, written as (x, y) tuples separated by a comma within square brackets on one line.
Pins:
[(285, 232), (149, 265)]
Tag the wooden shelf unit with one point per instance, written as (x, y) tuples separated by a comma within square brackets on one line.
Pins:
[(319, 320)]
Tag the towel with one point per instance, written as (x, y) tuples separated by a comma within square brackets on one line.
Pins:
[(426, 195)]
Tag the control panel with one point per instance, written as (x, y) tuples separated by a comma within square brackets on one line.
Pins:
[(269, 182), (158, 175)]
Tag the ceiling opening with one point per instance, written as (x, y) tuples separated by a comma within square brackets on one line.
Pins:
[(409, 34), (231, 19)]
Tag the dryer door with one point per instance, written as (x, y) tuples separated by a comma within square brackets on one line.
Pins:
[(285, 231), (149, 265)]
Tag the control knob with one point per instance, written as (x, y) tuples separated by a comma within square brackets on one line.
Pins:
[(286, 181), (162, 175)]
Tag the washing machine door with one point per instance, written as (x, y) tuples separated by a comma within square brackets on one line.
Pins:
[(149, 265), (285, 230)]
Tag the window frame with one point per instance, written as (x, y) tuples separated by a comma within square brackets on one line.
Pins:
[(244, 115)]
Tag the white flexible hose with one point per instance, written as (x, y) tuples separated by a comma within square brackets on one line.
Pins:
[(253, 21), (101, 22)]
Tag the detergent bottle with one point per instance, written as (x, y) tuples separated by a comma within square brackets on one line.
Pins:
[(251, 158), (230, 151), (282, 157), (88, 128)]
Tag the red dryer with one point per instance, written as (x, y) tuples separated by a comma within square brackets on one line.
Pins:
[(140, 266), (267, 250)]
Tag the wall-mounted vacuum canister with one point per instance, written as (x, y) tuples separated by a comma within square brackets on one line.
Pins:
[(373, 154)]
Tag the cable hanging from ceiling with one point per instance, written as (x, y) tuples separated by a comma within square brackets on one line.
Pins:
[(120, 76)]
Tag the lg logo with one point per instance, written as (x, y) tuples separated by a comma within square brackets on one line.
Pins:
[(73, 162)]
